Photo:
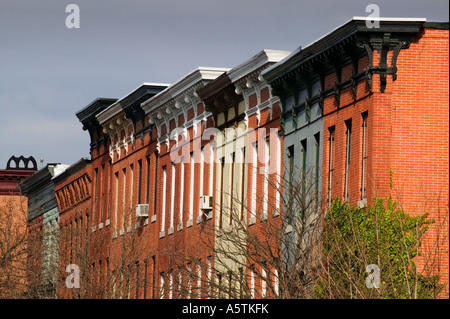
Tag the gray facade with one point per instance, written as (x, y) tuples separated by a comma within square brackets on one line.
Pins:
[(40, 190), (302, 127)]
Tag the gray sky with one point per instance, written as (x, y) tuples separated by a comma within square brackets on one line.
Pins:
[(49, 72)]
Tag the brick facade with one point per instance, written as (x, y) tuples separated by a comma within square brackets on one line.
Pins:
[(375, 100)]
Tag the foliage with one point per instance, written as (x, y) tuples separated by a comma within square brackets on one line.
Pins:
[(382, 234)]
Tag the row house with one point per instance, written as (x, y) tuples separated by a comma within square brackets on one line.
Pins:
[(73, 191), (43, 229), (247, 177), (365, 110), (201, 188), (183, 181)]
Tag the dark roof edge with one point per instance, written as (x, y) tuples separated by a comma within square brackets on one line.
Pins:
[(91, 107), (436, 25), (352, 27)]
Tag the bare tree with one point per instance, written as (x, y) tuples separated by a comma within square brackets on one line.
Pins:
[(13, 245)]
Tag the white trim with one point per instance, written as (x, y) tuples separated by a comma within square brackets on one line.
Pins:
[(399, 19), (182, 86)]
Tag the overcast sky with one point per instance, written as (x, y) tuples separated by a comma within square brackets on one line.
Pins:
[(49, 72)]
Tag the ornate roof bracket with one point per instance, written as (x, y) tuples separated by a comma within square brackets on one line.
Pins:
[(383, 43), (113, 128)]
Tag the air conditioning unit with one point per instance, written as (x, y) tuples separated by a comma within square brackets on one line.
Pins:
[(142, 210), (362, 203), (206, 202)]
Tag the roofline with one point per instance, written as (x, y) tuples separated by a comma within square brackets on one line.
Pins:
[(403, 19), (182, 85), (337, 35), (39, 178), (75, 167), (116, 107), (255, 62)]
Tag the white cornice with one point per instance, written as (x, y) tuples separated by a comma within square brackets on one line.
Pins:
[(182, 86), (108, 113), (256, 62)]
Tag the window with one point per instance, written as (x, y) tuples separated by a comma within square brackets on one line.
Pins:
[(131, 194), (110, 189), (148, 180), (348, 132), (124, 172), (263, 282), (330, 163), (231, 195), (304, 151), (209, 275), (278, 177), (102, 191), (95, 195), (191, 187), (156, 192), (116, 201), (161, 287), (211, 170), (364, 155), (199, 281), (252, 282), (137, 279), (202, 166), (153, 276), (201, 178), (170, 285), (189, 280), (140, 181), (254, 177), (219, 285), (180, 283), (266, 177), (145, 278), (163, 212), (222, 164), (276, 283), (172, 196), (317, 166), (243, 175), (181, 188), (291, 170)]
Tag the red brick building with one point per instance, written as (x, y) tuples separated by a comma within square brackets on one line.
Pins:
[(179, 170), (73, 190), (384, 95)]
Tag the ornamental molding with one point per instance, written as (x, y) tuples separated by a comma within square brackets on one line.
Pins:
[(114, 127), (179, 99)]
